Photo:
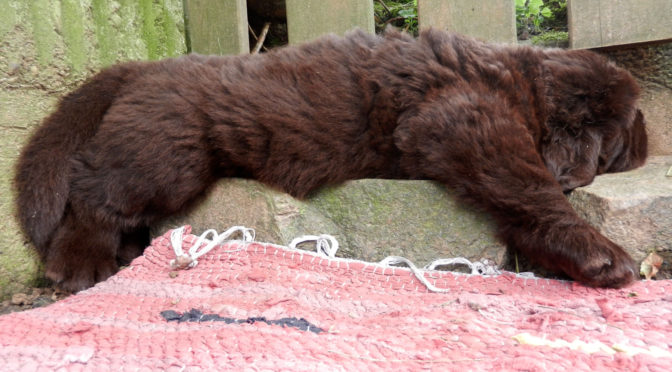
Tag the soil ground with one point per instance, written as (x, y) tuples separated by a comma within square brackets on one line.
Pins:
[(31, 299)]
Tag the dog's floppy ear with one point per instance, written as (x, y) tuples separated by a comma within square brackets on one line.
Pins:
[(626, 148)]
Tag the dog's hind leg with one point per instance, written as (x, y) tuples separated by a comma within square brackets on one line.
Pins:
[(133, 243), (82, 253)]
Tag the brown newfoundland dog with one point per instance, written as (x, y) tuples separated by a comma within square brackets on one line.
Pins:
[(508, 128)]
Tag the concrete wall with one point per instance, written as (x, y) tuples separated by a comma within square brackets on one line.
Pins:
[(651, 64), (48, 47), (371, 219)]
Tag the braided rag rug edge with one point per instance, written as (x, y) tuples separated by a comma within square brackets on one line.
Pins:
[(249, 305)]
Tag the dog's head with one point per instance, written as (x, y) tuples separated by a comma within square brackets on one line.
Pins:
[(593, 124)]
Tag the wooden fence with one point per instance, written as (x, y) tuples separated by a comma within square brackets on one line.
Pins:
[(220, 26)]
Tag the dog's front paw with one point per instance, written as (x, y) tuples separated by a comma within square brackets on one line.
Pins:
[(600, 262), (74, 275)]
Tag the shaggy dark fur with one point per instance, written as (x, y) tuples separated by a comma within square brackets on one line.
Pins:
[(508, 128)]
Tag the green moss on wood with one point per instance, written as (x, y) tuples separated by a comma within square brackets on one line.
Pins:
[(7, 17), (44, 34), (129, 32), (170, 31), (72, 21), (105, 46), (148, 34), (45, 43)]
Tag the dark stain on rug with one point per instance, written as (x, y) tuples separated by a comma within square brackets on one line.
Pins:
[(195, 315)]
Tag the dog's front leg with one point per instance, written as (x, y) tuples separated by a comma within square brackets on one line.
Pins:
[(476, 146)]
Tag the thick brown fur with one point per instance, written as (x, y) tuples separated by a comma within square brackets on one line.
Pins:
[(508, 128)]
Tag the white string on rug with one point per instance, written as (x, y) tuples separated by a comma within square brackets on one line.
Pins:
[(188, 260), (477, 268), (324, 244), (419, 273)]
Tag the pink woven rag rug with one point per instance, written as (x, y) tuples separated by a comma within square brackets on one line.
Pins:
[(255, 306)]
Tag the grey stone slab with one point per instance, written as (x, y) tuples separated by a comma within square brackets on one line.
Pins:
[(420, 220), (634, 209), (371, 219)]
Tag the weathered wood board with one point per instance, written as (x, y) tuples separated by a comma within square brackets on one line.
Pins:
[(308, 19), (217, 26), (599, 23), (492, 20)]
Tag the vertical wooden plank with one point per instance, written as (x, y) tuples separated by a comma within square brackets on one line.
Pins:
[(44, 33), (583, 23), (169, 30), (106, 39), (492, 20), (217, 26), (8, 17), (308, 19), (598, 23), (72, 30), (148, 33)]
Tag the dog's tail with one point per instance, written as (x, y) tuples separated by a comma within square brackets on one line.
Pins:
[(42, 179)]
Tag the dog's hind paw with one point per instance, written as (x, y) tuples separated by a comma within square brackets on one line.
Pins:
[(77, 275)]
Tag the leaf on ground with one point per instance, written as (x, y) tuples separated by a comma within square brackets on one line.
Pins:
[(650, 266)]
